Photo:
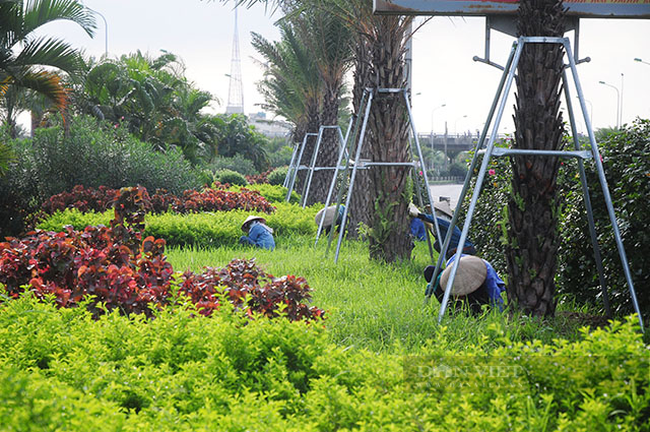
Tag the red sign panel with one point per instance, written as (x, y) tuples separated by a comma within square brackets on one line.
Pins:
[(578, 8)]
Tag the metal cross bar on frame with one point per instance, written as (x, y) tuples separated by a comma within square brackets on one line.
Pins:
[(314, 157), (358, 164), (292, 173), (490, 150)]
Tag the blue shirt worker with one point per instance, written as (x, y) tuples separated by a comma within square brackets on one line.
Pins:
[(418, 231), (259, 234), (444, 225), (476, 283)]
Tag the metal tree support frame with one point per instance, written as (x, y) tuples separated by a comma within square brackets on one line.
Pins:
[(294, 165), (500, 100), (366, 103)]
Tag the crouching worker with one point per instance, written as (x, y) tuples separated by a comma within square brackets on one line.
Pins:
[(259, 234), (327, 214), (444, 225), (476, 283)]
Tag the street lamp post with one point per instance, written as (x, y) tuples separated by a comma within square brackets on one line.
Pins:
[(105, 30), (432, 111), (591, 110), (618, 101), (641, 61), (456, 122)]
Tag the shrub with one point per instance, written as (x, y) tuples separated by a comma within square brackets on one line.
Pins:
[(237, 163), (89, 199), (91, 154), (199, 229), (60, 370), (113, 268), (273, 193), (277, 176), (259, 178), (230, 177), (627, 169)]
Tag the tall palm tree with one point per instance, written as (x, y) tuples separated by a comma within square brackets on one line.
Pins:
[(533, 207), (24, 57), (328, 40)]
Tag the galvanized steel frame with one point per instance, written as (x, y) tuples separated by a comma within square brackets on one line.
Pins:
[(500, 100), (368, 97)]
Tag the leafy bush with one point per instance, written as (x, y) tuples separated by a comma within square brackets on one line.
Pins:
[(198, 229), (237, 163), (626, 167), (115, 267), (91, 154), (179, 371), (89, 199), (258, 178), (273, 193), (278, 175), (230, 177)]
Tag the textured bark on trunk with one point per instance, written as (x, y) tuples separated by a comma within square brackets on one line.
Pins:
[(532, 208), (389, 240)]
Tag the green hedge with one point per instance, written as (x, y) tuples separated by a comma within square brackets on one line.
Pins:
[(272, 193), (198, 229), (61, 370)]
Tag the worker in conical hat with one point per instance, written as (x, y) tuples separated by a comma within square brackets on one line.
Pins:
[(476, 283), (443, 224), (259, 234)]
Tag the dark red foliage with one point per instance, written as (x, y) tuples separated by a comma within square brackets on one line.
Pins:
[(210, 199), (247, 287), (122, 271), (84, 199), (259, 178)]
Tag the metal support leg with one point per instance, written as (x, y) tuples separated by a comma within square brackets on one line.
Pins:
[(292, 182), (605, 188), (463, 193), (586, 198), (481, 176)]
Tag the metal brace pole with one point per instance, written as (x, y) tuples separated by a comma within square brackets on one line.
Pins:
[(463, 193), (604, 187), (297, 167), (586, 198), (481, 176), (353, 176), (424, 171)]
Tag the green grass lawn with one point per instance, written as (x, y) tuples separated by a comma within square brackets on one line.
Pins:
[(369, 304)]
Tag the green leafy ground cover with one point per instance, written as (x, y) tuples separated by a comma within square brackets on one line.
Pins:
[(198, 229), (62, 370), (379, 361)]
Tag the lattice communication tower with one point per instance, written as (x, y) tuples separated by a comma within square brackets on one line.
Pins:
[(235, 90)]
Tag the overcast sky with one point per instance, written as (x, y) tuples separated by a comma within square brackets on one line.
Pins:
[(201, 33)]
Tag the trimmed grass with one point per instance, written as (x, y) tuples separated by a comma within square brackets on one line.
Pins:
[(373, 305)]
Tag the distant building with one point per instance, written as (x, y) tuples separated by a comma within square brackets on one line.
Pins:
[(269, 128)]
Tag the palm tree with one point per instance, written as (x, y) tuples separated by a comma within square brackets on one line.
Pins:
[(533, 207), (23, 57)]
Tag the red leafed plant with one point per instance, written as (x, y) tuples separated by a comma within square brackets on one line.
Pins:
[(248, 287), (259, 178), (122, 271), (209, 199)]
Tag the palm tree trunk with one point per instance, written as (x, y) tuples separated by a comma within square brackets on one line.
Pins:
[(389, 240), (533, 206)]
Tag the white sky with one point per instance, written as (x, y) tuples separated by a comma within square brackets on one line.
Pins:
[(201, 33)]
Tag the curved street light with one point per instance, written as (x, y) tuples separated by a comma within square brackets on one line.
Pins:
[(105, 29), (618, 105), (456, 122), (641, 61)]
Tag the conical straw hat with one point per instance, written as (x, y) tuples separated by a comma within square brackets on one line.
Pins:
[(470, 275)]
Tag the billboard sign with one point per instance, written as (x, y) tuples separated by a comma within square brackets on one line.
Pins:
[(576, 8)]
